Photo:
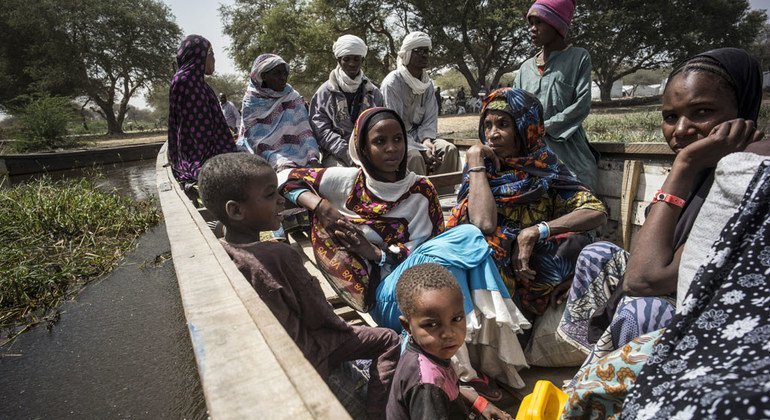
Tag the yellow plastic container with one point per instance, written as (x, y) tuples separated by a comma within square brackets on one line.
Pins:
[(546, 402)]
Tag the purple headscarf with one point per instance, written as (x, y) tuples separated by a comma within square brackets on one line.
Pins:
[(197, 129)]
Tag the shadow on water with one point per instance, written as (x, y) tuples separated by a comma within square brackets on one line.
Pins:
[(121, 348)]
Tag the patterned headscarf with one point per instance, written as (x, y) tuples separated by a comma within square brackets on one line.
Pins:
[(197, 129), (276, 123), (524, 179)]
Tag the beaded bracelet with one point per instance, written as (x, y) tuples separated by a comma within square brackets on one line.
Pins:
[(477, 169)]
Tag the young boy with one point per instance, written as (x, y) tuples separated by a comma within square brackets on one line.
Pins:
[(425, 385), (241, 190)]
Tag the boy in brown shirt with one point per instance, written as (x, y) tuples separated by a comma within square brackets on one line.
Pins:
[(241, 190)]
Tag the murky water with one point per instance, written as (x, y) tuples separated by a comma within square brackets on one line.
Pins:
[(121, 349), (135, 179)]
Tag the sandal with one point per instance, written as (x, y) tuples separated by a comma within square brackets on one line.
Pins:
[(486, 387)]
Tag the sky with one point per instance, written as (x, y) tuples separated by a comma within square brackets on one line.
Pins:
[(202, 17)]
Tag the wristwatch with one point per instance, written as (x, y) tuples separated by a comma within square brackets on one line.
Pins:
[(668, 198)]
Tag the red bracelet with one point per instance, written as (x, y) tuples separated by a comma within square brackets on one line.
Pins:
[(480, 404), (668, 198)]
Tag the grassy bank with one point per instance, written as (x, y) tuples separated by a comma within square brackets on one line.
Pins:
[(56, 236), (627, 125)]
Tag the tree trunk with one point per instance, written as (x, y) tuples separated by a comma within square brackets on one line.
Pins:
[(605, 89), (113, 126)]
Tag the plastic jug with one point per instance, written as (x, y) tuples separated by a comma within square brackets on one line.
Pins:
[(546, 402)]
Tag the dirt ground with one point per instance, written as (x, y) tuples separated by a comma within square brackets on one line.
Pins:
[(458, 126)]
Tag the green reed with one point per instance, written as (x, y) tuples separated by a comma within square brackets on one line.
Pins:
[(56, 236)]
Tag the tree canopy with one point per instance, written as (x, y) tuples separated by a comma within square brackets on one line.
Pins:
[(103, 50), (624, 36), (483, 40)]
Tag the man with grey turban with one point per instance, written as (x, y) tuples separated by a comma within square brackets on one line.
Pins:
[(337, 103), (409, 91)]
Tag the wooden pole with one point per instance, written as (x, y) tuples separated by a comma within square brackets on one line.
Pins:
[(631, 171)]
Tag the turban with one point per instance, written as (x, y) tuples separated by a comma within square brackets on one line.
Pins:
[(349, 45), (557, 13), (263, 63), (411, 41)]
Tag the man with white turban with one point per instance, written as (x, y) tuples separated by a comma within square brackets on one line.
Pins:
[(337, 103), (409, 91)]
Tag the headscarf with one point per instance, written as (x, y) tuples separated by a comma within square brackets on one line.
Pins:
[(276, 124), (356, 148), (197, 129), (557, 13), (348, 45), (391, 214), (521, 180), (744, 70), (262, 64), (746, 75), (412, 41)]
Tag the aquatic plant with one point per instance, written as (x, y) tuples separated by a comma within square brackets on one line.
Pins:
[(55, 237)]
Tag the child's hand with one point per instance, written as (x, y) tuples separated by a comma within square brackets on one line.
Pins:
[(492, 412)]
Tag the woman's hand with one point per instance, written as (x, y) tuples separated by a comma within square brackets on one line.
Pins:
[(521, 253), (352, 238), (328, 216), (476, 154), (560, 293), (728, 137)]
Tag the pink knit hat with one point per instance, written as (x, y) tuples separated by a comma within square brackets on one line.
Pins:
[(557, 13)]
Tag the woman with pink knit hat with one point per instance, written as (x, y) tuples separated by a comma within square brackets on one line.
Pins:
[(560, 76)]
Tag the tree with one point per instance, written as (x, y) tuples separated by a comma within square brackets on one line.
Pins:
[(624, 36), (302, 33), (479, 38), (105, 50), (232, 85)]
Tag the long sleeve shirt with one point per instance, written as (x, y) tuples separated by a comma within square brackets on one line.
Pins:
[(419, 112), (564, 89), (330, 120)]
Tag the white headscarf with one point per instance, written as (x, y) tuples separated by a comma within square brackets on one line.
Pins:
[(412, 41), (349, 45)]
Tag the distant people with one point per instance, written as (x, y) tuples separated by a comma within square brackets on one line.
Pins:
[(461, 98), (337, 103), (275, 120), (449, 105), (425, 386), (409, 91), (232, 116), (560, 76), (197, 130), (241, 191), (438, 99)]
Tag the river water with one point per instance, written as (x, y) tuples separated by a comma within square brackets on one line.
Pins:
[(121, 348)]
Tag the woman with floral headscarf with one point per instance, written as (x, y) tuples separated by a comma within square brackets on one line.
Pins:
[(372, 223), (197, 129), (525, 201), (275, 121)]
